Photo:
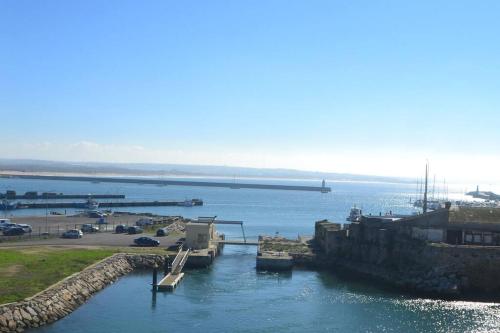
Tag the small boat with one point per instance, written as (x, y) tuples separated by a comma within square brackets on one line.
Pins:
[(354, 215), (91, 204), (8, 205), (186, 203)]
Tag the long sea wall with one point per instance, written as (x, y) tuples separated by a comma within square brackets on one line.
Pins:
[(65, 296)]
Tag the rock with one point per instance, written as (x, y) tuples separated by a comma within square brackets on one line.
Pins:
[(31, 311), (12, 325), (25, 315)]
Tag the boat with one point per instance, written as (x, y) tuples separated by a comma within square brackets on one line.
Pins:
[(186, 203), (91, 204), (8, 205), (355, 214)]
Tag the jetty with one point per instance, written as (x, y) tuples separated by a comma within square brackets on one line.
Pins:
[(172, 279), (46, 205), (163, 182), (33, 195)]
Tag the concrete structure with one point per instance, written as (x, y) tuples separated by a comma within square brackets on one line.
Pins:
[(452, 251), (276, 261), (200, 235)]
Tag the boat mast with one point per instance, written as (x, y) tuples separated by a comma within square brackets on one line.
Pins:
[(425, 192), (434, 189)]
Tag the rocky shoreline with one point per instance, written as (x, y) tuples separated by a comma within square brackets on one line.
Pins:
[(67, 295)]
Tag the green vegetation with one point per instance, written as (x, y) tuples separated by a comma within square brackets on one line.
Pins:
[(28, 271), (284, 246)]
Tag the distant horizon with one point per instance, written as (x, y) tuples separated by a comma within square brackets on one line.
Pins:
[(52, 167)]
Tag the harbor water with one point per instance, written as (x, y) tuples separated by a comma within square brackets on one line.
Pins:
[(231, 296)]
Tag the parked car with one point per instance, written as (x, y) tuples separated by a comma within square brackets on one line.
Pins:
[(121, 228), (95, 214), (73, 233), (4, 221), (134, 230), (146, 241), (88, 228), (4, 226), (13, 231), (162, 232), (144, 222), (26, 227)]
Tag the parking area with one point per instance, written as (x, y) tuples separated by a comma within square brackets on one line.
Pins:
[(93, 239), (48, 230)]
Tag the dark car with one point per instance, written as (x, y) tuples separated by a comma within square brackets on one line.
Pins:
[(121, 228), (146, 241), (134, 230), (7, 225), (13, 231), (161, 232)]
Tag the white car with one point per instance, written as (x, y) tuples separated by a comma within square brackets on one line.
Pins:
[(26, 227), (144, 222), (73, 233)]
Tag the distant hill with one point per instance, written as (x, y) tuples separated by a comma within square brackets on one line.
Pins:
[(150, 169)]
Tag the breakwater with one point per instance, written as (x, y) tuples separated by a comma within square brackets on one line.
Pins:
[(64, 297), (234, 185)]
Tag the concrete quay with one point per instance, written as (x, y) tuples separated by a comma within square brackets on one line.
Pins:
[(281, 254)]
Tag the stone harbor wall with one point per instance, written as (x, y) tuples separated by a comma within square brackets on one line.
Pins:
[(392, 256), (64, 297)]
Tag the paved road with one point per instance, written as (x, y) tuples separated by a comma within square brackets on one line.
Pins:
[(94, 239)]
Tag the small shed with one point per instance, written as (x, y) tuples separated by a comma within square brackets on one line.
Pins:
[(199, 235)]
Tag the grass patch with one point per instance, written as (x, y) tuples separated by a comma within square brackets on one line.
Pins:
[(26, 272)]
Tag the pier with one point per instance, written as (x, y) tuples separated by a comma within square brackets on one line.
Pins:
[(82, 205), (234, 185), (172, 279), (32, 195)]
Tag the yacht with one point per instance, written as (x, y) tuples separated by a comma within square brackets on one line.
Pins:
[(91, 204), (7, 205), (354, 215)]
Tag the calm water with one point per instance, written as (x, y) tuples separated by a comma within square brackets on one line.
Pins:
[(232, 297)]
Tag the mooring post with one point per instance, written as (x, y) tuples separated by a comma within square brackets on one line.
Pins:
[(166, 265), (155, 277)]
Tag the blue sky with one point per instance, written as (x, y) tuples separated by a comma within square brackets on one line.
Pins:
[(372, 87)]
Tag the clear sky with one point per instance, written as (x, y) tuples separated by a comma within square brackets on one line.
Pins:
[(372, 87)]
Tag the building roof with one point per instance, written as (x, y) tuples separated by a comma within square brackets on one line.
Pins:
[(474, 215)]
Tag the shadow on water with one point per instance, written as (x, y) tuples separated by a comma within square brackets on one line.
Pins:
[(360, 283)]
